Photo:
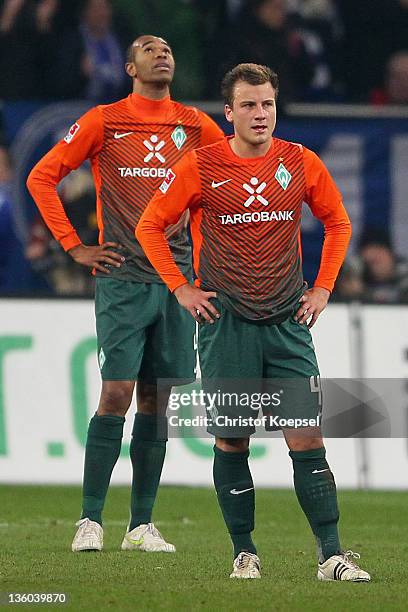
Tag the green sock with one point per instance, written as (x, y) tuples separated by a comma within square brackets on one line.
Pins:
[(102, 451), (231, 473), (147, 452), (316, 491)]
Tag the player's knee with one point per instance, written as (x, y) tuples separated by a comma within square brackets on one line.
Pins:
[(116, 397), (232, 445), (304, 443), (152, 399)]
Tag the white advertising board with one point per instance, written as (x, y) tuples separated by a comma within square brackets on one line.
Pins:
[(49, 388)]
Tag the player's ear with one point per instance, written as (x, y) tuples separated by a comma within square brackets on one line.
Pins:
[(228, 113), (131, 69)]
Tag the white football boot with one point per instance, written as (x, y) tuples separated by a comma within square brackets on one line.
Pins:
[(147, 539), (342, 567), (246, 565), (88, 537)]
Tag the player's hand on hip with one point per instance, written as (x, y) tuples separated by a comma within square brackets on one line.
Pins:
[(313, 302), (197, 302), (98, 257)]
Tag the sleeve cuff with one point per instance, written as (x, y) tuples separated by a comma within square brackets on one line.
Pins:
[(323, 285), (178, 283), (70, 241)]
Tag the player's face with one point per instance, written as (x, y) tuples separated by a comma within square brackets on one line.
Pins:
[(253, 112), (153, 61)]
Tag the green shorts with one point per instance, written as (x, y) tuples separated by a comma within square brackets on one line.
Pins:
[(250, 367), (143, 333)]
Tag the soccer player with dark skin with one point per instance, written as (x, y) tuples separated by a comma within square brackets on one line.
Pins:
[(254, 308), (143, 334)]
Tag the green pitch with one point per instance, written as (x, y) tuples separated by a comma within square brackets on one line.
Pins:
[(37, 525)]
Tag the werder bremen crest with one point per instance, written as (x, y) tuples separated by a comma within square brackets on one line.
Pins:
[(101, 358), (283, 176), (179, 136)]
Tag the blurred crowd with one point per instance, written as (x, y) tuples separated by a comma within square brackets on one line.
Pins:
[(376, 274), (52, 50), (323, 50), (328, 50)]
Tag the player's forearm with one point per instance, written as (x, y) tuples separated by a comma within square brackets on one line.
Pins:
[(336, 241), (42, 186), (150, 234)]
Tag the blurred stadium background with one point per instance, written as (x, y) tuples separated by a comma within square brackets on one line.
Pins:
[(343, 66), (350, 107)]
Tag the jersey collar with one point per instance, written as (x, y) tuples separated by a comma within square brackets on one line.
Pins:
[(147, 107), (244, 160)]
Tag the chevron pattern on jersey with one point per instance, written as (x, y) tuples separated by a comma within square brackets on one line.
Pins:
[(250, 227), (135, 157)]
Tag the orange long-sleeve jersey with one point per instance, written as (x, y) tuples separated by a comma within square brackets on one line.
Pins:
[(131, 144), (245, 223)]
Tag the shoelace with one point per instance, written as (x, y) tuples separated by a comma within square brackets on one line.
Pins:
[(348, 557), (155, 532), (243, 561), (88, 529)]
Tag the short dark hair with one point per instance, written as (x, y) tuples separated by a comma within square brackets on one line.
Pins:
[(130, 52), (254, 74)]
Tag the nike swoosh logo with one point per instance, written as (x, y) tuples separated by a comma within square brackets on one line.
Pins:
[(214, 185), (135, 542), (235, 492), (117, 135), (318, 471)]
